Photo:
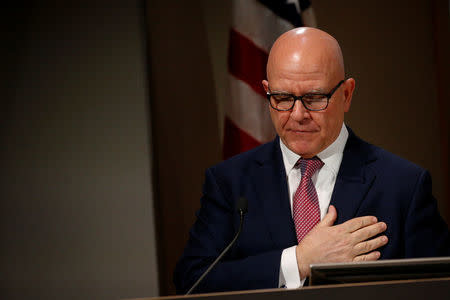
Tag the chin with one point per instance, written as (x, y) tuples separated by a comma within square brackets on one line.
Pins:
[(307, 155), (305, 151)]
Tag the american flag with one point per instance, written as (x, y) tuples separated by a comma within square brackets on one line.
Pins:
[(255, 25)]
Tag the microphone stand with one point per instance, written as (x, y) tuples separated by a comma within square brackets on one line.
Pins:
[(242, 211)]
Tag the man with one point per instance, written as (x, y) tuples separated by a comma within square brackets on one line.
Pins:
[(316, 194)]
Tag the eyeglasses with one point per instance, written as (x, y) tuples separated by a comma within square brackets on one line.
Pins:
[(313, 102)]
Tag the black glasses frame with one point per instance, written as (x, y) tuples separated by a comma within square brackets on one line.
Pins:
[(328, 96)]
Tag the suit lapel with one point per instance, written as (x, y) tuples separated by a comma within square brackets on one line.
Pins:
[(269, 180), (354, 179)]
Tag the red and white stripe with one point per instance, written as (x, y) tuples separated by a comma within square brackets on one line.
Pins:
[(254, 28)]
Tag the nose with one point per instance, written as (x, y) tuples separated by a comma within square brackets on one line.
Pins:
[(299, 112)]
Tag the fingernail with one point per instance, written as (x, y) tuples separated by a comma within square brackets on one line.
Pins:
[(384, 238)]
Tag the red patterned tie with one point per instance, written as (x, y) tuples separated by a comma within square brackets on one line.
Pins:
[(306, 203)]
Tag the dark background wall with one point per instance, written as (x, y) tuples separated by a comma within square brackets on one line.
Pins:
[(76, 189)]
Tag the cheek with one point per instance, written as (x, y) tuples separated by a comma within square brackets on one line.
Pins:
[(284, 118), (279, 119), (325, 121), (330, 122), (322, 120)]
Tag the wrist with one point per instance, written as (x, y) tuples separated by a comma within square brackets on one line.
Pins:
[(302, 262)]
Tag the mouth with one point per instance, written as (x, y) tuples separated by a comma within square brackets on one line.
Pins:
[(303, 131)]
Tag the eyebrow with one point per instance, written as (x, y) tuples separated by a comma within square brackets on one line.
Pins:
[(316, 91), (279, 92), (312, 91)]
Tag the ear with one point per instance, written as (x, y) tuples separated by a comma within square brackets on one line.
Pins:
[(349, 87), (265, 84)]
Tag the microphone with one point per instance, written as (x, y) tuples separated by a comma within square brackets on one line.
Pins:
[(242, 208)]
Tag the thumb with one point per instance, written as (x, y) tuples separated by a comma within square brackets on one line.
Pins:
[(330, 217)]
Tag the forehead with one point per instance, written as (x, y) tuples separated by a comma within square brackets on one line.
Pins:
[(307, 83), (300, 76)]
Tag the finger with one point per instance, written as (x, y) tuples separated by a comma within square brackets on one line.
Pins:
[(330, 217), (367, 232), (360, 222), (370, 245), (368, 257)]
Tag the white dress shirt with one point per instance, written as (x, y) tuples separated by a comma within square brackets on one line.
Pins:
[(324, 181)]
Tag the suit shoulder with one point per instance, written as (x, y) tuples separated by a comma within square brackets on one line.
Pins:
[(360, 150), (394, 162), (232, 174), (246, 159)]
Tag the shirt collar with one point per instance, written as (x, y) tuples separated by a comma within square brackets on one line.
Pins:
[(330, 156)]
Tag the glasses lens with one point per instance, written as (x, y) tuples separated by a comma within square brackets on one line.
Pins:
[(281, 102), (315, 101)]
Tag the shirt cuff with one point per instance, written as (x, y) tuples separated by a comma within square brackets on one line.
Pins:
[(289, 274)]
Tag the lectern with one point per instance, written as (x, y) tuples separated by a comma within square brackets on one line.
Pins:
[(417, 278), (382, 290)]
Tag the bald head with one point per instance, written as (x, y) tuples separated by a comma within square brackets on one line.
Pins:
[(307, 50)]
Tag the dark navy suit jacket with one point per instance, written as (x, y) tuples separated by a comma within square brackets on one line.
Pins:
[(371, 181)]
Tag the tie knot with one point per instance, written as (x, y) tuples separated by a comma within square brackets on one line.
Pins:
[(309, 166)]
